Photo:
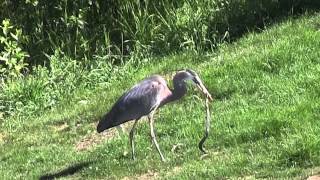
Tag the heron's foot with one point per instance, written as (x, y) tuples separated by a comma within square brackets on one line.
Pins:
[(163, 159), (133, 157), (203, 156), (176, 147)]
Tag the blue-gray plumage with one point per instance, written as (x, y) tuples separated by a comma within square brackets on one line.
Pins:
[(145, 98)]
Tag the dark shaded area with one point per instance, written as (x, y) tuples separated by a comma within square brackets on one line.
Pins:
[(67, 171), (85, 28)]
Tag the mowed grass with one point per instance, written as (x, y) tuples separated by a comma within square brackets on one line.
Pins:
[(265, 118)]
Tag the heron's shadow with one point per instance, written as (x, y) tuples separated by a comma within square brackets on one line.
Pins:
[(67, 171)]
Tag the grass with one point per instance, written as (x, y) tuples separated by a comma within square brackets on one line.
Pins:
[(265, 118)]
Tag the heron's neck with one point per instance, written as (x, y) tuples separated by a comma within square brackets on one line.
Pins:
[(180, 89)]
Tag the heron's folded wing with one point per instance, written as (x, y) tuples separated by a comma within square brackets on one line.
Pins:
[(133, 104)]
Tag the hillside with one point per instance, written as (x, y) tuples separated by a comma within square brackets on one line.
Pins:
[(265, 118)]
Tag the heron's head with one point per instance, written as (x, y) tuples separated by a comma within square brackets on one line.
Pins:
[(193, 76)]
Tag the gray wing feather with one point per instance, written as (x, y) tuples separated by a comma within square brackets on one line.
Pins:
[(137, 102), (142, 98)]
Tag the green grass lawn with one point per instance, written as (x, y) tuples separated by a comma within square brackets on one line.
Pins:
[(265, 118)]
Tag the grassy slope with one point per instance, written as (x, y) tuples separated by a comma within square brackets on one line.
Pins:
[(265, 117)]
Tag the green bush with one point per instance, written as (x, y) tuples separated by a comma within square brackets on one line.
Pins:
[(12, 56), (83, 29)]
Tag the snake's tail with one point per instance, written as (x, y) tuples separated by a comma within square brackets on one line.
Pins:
[(207, 124), (206, 134)]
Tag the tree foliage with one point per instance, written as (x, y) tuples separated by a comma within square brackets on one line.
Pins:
[(82, 29)]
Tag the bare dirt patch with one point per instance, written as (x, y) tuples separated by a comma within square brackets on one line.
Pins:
[(95, 138), (150, 175), (176, 170), (316, 177), (310, 174), (61, 127)]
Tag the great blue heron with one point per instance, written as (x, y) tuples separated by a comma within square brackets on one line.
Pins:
[(145, 98)]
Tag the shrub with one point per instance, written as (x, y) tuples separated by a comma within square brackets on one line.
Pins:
[(139, 27), (12, 56)]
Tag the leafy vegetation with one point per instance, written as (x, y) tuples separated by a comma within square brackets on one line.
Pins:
[(265, 114), (89, 43), (84, 29), (12, 56)]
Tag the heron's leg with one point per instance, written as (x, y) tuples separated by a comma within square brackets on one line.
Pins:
[(131, 137), (153, 136)]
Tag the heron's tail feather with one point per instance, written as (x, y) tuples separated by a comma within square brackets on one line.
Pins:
[(106, 122)]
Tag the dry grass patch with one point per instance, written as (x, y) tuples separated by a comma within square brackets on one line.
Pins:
[(150, 175)]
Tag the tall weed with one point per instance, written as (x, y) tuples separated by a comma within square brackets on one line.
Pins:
[(47, 86)]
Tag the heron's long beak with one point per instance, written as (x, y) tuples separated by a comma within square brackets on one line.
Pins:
[(203, 89)]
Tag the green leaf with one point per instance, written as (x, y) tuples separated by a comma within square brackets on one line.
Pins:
[(14, 36)]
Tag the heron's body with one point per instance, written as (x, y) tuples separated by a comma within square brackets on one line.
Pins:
[(139, 101), (144, 99)]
